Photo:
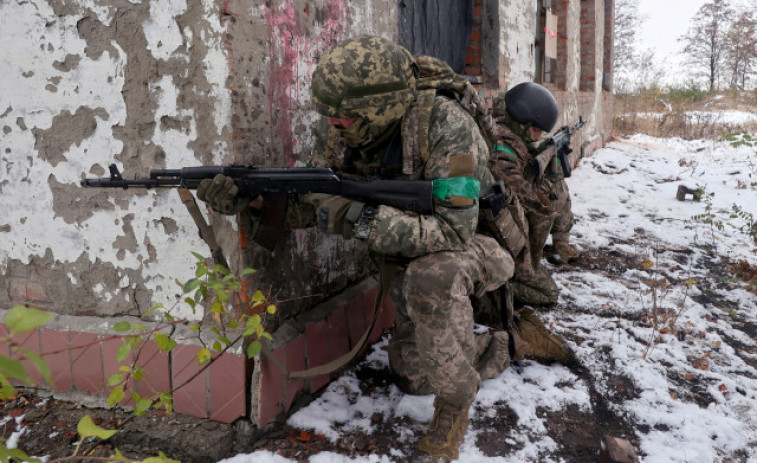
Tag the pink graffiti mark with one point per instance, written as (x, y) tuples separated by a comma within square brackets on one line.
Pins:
[(290, 47)]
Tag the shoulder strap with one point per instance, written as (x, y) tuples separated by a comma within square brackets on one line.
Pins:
[(386, 273), (206, 231), (426, 104), (436, 76)]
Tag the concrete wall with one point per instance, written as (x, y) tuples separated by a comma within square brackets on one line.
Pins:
[(170, 83), (517, 21), (274, 50), (86, 84)]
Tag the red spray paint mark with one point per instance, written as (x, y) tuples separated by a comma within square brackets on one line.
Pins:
[(292, 47)]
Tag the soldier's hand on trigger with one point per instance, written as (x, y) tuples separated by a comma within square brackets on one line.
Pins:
[(222, 194), (336, 215)]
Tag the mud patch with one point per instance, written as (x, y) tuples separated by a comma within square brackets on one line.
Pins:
[(495, 429)]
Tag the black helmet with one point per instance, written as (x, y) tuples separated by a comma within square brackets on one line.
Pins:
[(530, 103)]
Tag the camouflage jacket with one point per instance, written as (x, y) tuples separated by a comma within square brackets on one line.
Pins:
[(456, 150), (511, 164)]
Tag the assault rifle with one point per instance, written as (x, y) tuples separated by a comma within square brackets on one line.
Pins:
[(277, 184), (561, 141)]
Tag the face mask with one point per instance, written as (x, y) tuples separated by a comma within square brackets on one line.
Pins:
[(357, 134)]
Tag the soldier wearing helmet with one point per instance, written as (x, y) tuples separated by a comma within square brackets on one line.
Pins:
[(523, 115), (366, 90)]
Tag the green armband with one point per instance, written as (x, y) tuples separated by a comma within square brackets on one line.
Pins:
[(465, 187), (505, 149)]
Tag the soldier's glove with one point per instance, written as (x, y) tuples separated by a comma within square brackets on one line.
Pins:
[(222, 194), (336, 215)]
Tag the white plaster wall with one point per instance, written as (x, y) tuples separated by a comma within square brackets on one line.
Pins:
[(573, 73), (599, 19), (32, 38), (517, 34)]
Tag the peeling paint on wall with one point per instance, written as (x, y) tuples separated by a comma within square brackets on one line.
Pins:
[(168, 83), (142, 84), (293, 51), (516, 42)]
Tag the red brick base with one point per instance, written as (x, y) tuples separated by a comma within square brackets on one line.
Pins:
[(331, 330), (81, 362)]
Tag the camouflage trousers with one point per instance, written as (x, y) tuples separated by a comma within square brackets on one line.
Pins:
[(559, 194), (434, 348), (539, 227), (533, 285), (535, 288)]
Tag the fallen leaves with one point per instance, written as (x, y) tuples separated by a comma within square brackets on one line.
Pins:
[(702, 363)]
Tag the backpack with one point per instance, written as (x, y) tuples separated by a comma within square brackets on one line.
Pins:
[(501, 215), (436, 77)]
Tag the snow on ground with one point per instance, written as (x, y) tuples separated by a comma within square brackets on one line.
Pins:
[(723, 117), (687, 384)]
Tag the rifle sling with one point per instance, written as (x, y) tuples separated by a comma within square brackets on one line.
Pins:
[(386, 273), (206, 231)]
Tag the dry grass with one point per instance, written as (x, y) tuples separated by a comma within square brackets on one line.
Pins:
[(686, 114)]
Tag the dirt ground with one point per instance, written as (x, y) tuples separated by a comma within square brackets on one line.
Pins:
[(49, 425)]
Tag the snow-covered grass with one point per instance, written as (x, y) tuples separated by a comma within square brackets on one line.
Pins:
[(690, 390)]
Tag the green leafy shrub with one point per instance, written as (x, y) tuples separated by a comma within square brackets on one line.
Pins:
[(235, 320)]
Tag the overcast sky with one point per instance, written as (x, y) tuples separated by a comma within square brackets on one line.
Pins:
[(666, 21)]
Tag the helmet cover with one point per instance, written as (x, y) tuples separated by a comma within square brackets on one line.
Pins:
[(366, 77)]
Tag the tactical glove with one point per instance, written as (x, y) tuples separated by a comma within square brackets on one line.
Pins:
[(222, 194), (336, 215)]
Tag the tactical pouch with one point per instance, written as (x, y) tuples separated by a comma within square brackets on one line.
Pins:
[(496, 220)]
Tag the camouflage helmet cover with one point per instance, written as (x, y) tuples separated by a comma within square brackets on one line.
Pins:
[(367, 77)]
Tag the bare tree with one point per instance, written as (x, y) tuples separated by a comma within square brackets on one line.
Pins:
[(705, 41), (741, 48), (627, 22)]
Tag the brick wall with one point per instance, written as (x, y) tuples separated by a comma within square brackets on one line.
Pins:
[(324, 334), (561, 73), (609, 48), (82, 358), (473, 57), (588, 45)]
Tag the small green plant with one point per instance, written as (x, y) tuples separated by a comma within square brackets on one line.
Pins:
[(710, 216), (235, 320), (748, 225), (736, 217), (742, 138)]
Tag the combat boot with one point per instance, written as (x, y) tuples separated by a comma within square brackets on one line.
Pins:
[(445, 433), (533, 341), (566, 251)]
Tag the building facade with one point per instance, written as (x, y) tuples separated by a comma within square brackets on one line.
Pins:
[(174, 83)]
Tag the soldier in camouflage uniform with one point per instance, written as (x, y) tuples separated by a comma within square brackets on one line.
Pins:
[(556, 189), (514, 163), (366, 88), (542, 187)]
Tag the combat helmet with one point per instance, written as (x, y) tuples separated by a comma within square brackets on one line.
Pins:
[(366, 77), (529, 104)]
